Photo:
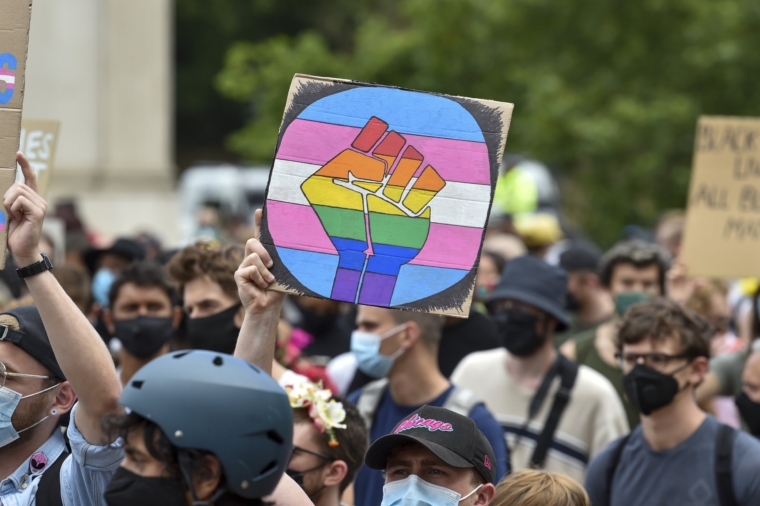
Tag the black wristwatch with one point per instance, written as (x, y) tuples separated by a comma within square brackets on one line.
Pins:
[(30, 270)]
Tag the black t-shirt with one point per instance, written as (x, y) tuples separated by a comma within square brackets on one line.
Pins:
[(476, 333)]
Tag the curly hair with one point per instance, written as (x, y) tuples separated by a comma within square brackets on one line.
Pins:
[(532, 487), (661, 319), (352, 441), (203, 259)]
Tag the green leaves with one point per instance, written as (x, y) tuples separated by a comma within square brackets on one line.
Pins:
[(608, 93)]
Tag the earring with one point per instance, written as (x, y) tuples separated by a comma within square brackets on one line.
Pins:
[(53, 411)]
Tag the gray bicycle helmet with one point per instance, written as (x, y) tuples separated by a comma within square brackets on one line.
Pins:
[(219, 403)]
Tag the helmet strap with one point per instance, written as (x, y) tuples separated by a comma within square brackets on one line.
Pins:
[(185, 466)]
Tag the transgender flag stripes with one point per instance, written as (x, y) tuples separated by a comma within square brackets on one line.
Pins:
[(380, 196)]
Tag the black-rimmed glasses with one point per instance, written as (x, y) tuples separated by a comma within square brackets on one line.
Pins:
[(316, 454), (654, 360)]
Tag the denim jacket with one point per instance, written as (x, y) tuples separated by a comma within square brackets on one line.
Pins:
[(84, 474)]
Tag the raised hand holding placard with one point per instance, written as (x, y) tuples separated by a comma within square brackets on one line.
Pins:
[(15, 16)]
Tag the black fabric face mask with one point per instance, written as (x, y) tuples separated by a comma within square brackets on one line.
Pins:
[(214, 333), (649, 390), (750, 412), (571, 303), (144, 336), (296, 476), (127, 489), (518, 332)]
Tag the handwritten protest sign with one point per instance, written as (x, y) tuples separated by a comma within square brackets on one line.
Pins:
[(39, 139), (722, 235), (14, 39), (380, 195)]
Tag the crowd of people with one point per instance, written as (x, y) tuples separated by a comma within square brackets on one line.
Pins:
[(134, 375)]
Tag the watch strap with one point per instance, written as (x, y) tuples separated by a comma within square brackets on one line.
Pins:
[(30, 270)]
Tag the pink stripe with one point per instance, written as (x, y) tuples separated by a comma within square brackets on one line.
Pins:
[(8, 86), (450, 246), (312, 142), (7, 72), (298, 227), (455, 160)]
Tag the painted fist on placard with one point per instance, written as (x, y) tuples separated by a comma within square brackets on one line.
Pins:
[(372, 200)]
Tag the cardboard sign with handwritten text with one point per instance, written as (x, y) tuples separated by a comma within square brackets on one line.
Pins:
[(39, 139), (14, 40), (722, 235)]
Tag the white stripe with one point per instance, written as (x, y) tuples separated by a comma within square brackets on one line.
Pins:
[(286, 181), (463, 204), (8, 79)]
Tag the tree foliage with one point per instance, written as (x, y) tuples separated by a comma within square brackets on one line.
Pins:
[(607, 93), (204, 32)]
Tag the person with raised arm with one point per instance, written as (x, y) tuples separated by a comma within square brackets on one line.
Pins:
[(52, 363)]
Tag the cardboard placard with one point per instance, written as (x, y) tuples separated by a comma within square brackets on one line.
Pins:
[(39, 139), (380, 195), (15, 16), (722, 234)]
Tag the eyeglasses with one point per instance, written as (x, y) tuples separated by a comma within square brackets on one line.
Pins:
[(316, 454), (653, 360), (4, 374)]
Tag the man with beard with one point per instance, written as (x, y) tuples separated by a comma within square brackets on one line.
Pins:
[(142, 314), (555, 415), (46, 354)]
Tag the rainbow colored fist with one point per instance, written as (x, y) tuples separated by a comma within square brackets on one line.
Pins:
[(374, 210)]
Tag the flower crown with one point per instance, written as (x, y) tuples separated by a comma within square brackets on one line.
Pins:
[(326, 413)]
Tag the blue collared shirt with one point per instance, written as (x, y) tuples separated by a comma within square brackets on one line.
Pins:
[(84, 474)]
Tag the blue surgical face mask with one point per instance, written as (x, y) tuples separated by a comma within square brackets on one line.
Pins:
[(414, 491), (366, 347), (101, 285), (9, 400)]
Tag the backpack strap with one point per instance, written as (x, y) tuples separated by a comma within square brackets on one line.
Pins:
[(568, 372), (49, 489), (462, 401), (617, 452), (369, 400), (724, 448)]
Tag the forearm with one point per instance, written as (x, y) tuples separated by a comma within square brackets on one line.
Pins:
[(80, 351), (257, 338), (288, 493)]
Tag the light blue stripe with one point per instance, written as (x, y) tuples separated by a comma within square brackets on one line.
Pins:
[(406, 112), (315, 271), (416, 282)]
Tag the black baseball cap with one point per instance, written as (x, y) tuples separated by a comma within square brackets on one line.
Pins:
[(453, 438), (580, 256), (127, 248), (32, 338)]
